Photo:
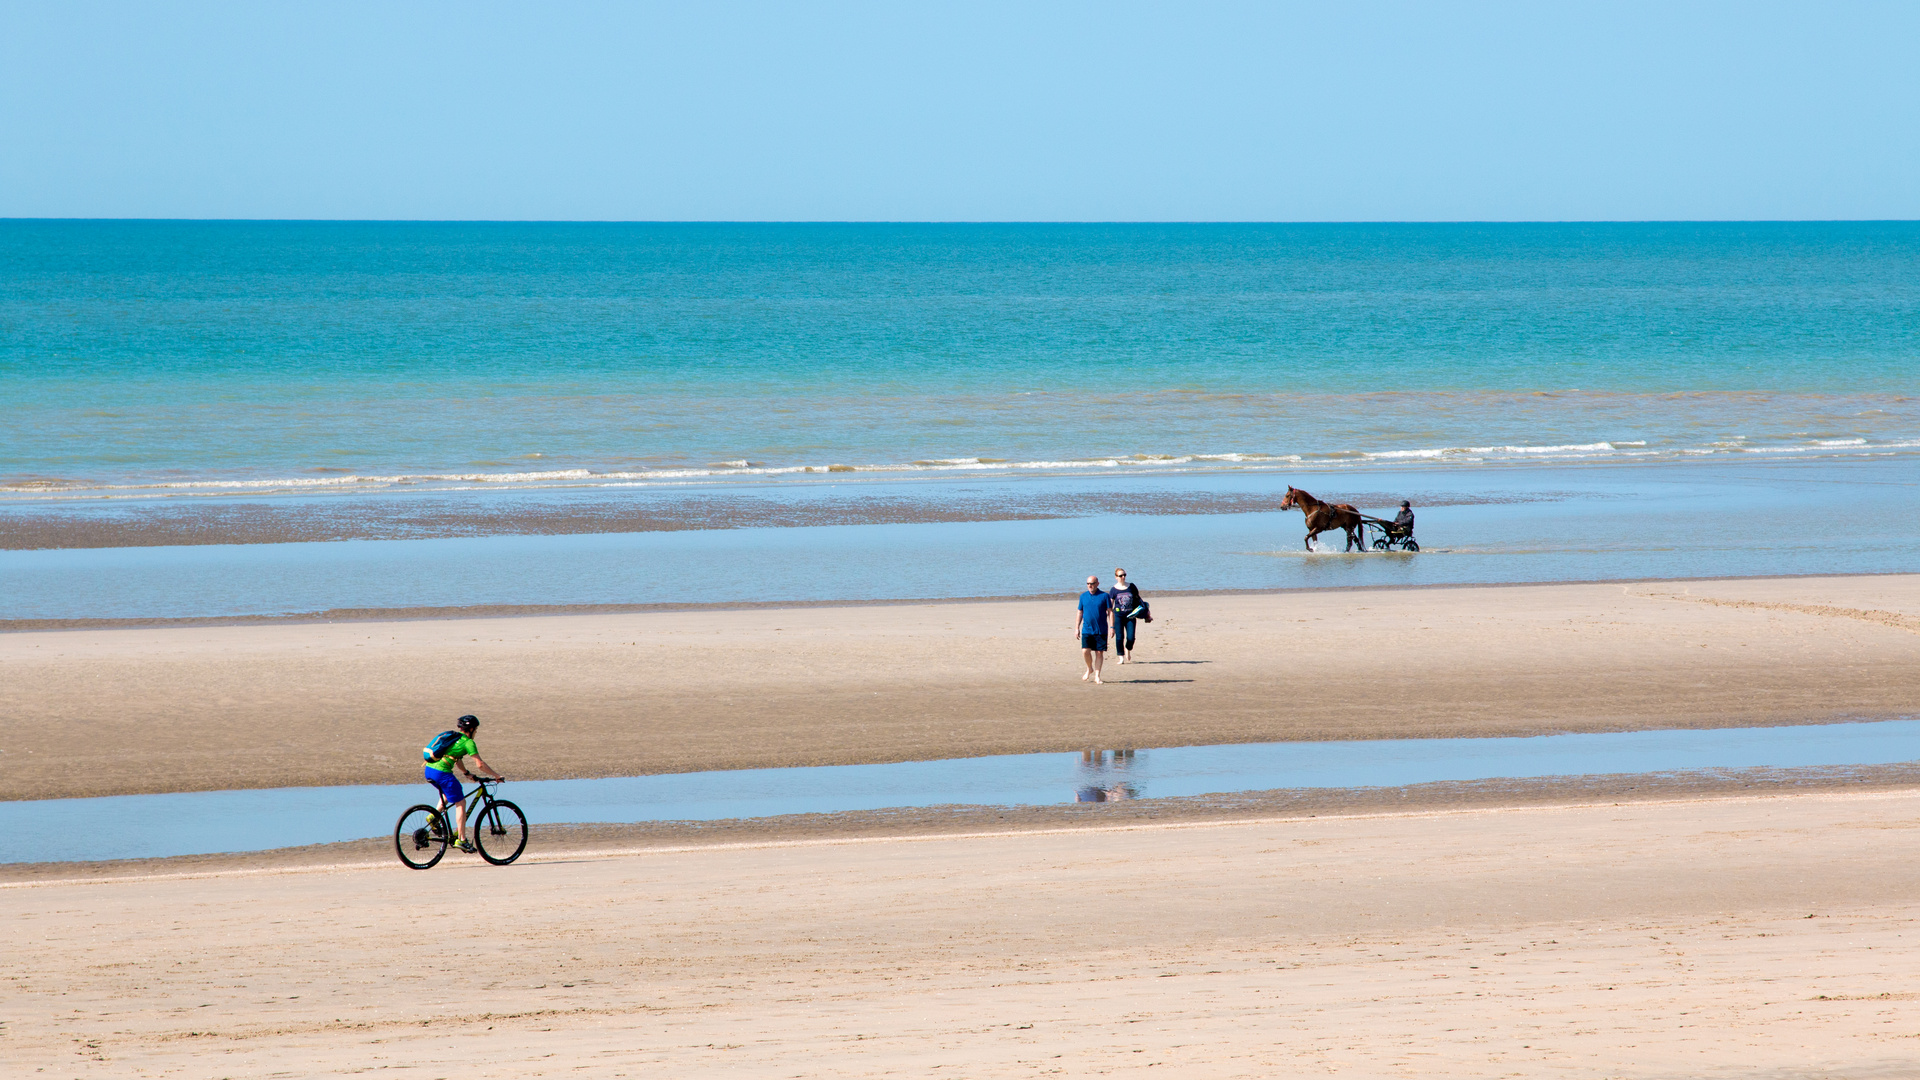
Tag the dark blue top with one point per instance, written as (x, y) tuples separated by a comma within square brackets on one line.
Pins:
[(1124, 600), (1094, 607)]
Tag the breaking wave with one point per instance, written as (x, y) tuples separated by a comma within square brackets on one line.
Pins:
[(333, 480)]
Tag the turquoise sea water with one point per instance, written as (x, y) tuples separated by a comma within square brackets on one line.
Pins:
[(1592, 401), (159, 357)]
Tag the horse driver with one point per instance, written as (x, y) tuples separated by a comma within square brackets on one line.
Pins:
[(1403, 521)]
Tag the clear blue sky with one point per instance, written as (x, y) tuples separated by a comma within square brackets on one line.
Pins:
[(964, 111)]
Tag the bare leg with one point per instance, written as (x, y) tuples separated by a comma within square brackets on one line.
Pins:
[(459, 817), (1087, 655), (1099, 659)]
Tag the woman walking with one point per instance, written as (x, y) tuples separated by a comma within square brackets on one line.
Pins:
[(1129, 604)]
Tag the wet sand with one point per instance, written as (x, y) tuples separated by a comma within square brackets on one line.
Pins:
[(1769, 936), (415, 517), (116, 711)]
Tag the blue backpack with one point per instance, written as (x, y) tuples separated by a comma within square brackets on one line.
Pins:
[(438, 748)]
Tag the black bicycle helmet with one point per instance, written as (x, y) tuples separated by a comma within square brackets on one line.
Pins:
[(467, 723)]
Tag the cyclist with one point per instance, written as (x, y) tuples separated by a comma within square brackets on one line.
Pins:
[(464, 756)]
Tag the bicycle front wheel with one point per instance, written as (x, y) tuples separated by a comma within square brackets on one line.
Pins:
[(421, 837), (501, 832)]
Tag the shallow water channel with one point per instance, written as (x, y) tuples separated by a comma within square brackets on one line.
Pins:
[(148, 826), (1501, 525)]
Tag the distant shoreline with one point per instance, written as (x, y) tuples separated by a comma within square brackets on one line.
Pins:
[(433, 517)]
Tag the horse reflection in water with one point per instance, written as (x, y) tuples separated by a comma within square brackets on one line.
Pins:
[(1100, 781)]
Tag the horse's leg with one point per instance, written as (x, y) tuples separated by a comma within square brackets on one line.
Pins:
[(1310, 535)]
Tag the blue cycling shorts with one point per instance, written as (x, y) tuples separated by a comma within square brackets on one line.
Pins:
[(449, 787)]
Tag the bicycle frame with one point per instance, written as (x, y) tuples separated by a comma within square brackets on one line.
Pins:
[(482, 784), (498, 827)]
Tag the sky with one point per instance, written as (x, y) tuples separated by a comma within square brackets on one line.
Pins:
[(1031, 111)]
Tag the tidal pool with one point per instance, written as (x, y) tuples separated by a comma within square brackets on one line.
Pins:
[(193, 823)]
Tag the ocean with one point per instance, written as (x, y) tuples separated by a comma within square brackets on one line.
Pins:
[(184, 401)]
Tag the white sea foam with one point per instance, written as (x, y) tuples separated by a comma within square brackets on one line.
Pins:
[(738, 468), (1483, 451)]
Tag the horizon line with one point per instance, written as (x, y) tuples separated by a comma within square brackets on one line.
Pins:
[(10, 220)]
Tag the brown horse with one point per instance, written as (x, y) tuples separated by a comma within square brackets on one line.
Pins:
[(1325, 517)]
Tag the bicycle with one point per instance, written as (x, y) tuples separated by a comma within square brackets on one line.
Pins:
[(499, 830)]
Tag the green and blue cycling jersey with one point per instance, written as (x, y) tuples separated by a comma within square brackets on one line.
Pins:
[(461, 747), (439, 771)]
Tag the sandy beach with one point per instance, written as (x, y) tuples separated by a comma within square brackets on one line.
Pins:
[(1510, 423), (117, 711), (1752, 936)]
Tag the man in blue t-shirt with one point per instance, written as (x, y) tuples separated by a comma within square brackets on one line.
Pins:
[(1091, 625)]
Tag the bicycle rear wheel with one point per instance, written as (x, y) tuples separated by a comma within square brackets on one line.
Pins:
[(420, 839), (501, 832)]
